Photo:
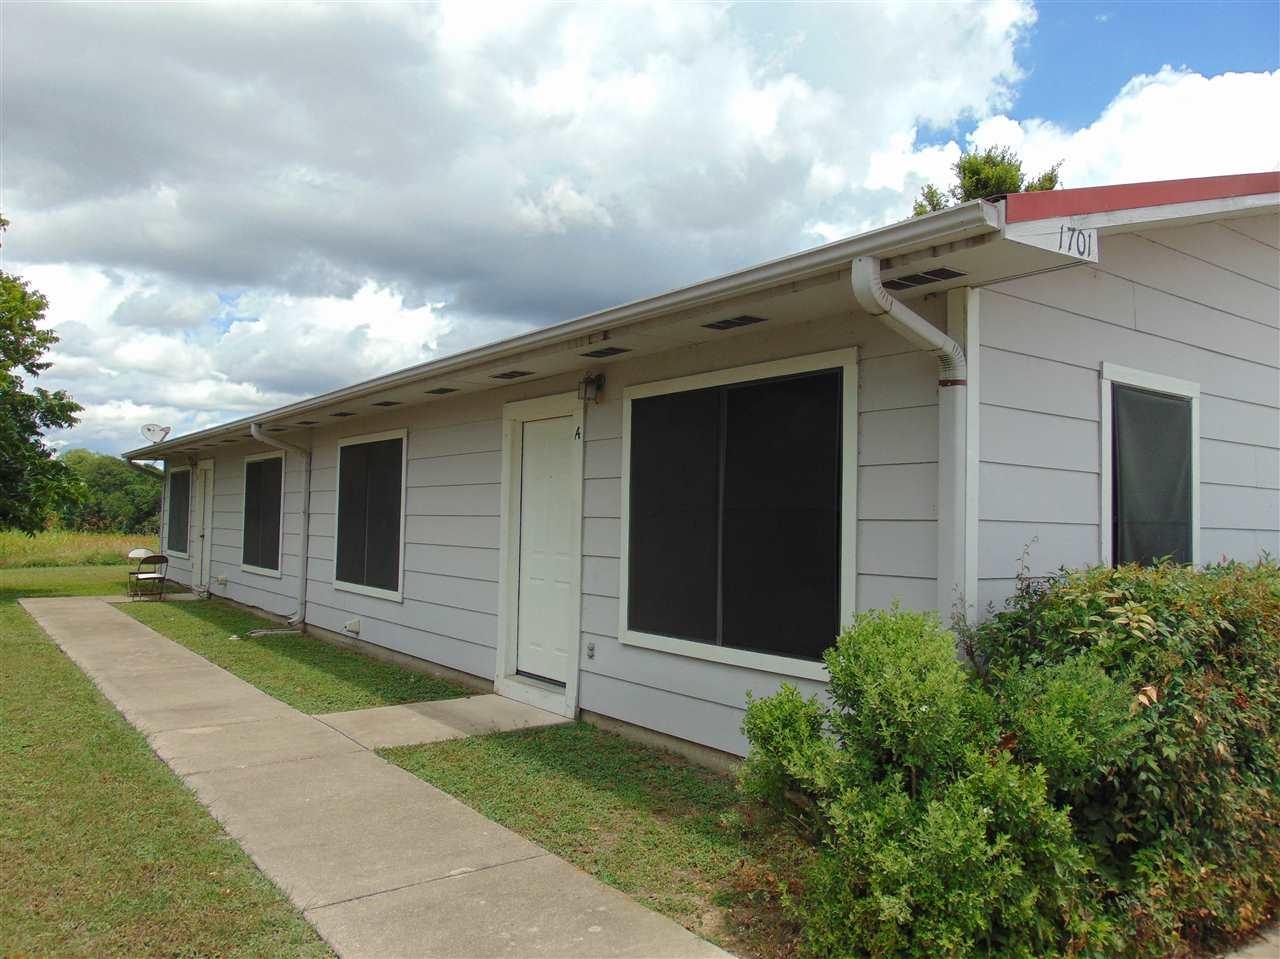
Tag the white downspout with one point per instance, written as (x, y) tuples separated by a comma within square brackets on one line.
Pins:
[(953, 377), (299, 618)]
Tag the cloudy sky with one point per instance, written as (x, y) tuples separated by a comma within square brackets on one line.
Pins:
[(230, 207)]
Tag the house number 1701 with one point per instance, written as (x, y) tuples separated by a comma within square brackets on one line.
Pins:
[(1075, 241)]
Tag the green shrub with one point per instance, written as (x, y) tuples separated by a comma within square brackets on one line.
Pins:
[(1106, 781), (933, 841), (1184, 820), (1071, 718), (981, 865)]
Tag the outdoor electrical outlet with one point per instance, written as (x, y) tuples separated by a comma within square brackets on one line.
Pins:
[(220, 580)]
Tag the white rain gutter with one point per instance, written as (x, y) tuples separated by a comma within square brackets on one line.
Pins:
[(299, 618), (953, 442)]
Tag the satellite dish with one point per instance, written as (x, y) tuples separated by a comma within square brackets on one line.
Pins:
[(155, 433)]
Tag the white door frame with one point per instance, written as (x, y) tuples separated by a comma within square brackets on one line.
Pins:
[(506, 681), (202, 549)]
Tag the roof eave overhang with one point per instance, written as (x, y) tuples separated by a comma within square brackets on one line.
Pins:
[(966, 221)]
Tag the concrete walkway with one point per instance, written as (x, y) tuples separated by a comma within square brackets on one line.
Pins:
[(380, 862), (434, 722)]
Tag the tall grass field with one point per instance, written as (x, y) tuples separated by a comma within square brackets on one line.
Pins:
[(64, 548)]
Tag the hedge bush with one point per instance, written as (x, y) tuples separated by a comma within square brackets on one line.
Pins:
[(1101, 777)]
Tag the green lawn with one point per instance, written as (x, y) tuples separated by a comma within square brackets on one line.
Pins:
[(103, 851), (63, 548), (669, 833), (304, 672)]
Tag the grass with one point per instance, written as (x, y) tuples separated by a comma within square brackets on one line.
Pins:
[(671, 834), (63, 548), (304, 672), (104, 852)]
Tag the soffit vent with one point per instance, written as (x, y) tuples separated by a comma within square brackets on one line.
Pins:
[(605, 351), (342, 413), (912, 280), (276, 429), (308, 422), (386, 403), (512, 374), (442, 391), (733, 322)]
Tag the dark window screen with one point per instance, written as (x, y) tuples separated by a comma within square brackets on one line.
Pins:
[(781, 580), (674, 547), (734, 532), (262, 491), (179, 510), (369, 477), (1151, 482)]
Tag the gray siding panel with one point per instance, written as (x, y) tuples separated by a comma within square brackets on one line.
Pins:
[(895, 437), (1152, 264), (1021, 325), (1238, 464), (1042, 547), (898, 492), (881, 592), (1265, 229), (1034, 495), (706, 723), (1023, 438), (897, 548), (1199, 303), (1218, 544), (1021, 382), (1221, 245)]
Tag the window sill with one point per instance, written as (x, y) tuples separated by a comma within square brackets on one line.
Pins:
[(394, 595), (747, 659), (262, 571)]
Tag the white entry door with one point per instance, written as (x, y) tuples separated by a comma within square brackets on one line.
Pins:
[(546, 618), (202, 548)]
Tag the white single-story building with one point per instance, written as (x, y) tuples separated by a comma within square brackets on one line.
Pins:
[(645, 513)]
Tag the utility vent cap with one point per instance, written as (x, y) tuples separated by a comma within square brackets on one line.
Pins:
[(604, 351), (734, 322)]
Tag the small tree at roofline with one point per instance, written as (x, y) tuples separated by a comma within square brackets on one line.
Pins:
[(995, 171), (32, 482)]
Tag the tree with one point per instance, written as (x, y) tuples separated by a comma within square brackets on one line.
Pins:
[(32, 482), (995, 171), (119, 497)]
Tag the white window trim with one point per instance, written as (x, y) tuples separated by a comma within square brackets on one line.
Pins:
[(278, 572), (167, 524), (847, 361), (506, 681), (396, 595), (1112, 373)]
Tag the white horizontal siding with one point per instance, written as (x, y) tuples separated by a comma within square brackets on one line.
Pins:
[(1198, 303), (1265, 229)]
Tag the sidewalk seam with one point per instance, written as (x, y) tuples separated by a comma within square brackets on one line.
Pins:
[(427, 882)]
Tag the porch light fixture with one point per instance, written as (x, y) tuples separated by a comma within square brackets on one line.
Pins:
[(590, 387)]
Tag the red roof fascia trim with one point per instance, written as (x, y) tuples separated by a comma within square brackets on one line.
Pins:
[(1129, 196)]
